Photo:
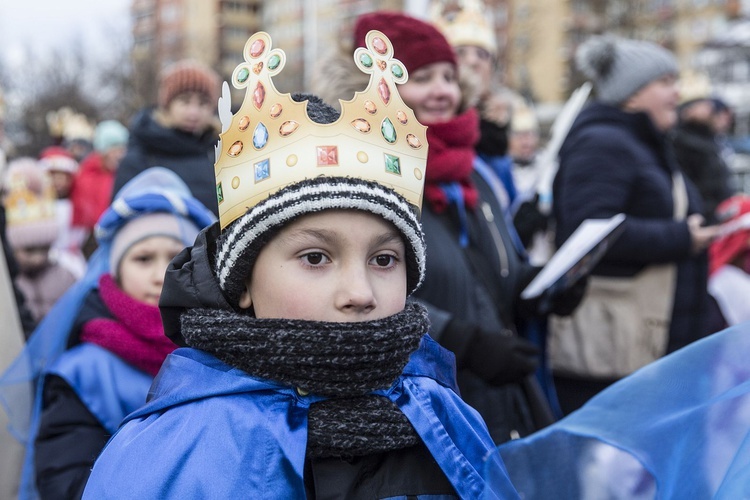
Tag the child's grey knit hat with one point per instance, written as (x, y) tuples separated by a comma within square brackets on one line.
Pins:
[(619, 68)]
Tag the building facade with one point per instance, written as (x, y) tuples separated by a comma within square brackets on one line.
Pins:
[(537, 39)]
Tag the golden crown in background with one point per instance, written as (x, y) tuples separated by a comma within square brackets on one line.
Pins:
[(464, 22), (271, 142)]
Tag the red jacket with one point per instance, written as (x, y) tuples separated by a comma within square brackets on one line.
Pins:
[(92, 191)]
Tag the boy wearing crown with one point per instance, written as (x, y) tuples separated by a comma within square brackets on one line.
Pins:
[(308, 371)]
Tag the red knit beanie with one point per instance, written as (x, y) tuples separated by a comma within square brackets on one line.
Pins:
[(187, 76), (415, 43)]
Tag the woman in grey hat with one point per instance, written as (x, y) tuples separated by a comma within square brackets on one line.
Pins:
[(647, 297)]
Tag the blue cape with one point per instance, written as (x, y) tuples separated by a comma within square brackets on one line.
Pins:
[(677, 428), (212, 431), (154, 190)]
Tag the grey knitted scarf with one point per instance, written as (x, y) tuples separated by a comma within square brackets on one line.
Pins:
[(344, 361)]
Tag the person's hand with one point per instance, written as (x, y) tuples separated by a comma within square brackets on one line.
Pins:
[(561, 302), (701, 236), (565, 302), (498, 357)]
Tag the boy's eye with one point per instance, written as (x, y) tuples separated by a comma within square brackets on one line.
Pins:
[(384, 260), (314, 258)]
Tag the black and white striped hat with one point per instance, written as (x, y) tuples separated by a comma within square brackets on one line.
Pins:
[(242, 240)]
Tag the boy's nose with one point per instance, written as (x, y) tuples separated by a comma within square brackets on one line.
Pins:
[(356, 294)]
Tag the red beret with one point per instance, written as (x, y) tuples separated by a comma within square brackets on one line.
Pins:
[(415, 42)]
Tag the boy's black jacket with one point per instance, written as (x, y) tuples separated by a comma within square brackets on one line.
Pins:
[(190, 283)]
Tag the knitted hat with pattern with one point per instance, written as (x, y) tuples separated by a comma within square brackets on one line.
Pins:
[(416, 42), (187, 76)]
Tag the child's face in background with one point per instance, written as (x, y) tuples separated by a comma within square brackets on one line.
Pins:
[(336, 266), (62, 182), (32, 260), (190, 112), (142, 268), (111, 158)]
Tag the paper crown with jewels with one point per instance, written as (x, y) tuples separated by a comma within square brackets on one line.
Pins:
[(271, 142), (464, 22)]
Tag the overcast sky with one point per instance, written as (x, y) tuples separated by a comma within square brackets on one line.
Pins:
[(43, 24)]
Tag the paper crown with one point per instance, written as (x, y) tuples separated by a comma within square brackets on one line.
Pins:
[(464, 22), (29, 205), (271, 142)]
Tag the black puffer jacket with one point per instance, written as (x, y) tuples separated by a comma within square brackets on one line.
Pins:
[(189, 156)]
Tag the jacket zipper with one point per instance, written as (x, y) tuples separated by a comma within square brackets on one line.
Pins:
[(502, 254)]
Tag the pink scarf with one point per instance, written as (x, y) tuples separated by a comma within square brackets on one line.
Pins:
[(136, 335), (450, 158)]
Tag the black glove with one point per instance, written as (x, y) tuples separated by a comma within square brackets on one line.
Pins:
[(561, 303), (498, 357), (565, 302), (529, 220)]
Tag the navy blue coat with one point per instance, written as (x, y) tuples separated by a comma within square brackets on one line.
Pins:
[(617, 162)]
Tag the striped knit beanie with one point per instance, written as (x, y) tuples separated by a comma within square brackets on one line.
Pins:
[(242, 240)]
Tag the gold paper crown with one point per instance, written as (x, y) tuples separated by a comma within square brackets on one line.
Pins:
[(28, 199), (464, 22), (271, 142)]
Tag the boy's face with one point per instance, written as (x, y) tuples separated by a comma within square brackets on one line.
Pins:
[(142, 268), (336, 266)]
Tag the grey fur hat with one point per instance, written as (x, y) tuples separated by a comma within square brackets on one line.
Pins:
[(618, 67)]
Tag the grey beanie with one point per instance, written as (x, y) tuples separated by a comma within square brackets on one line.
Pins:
[(618, 68)]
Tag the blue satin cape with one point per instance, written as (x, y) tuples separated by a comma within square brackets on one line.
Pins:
[(677, 428), (213, 431)]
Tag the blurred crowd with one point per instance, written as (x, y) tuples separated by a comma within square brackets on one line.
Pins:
[(90, 225)]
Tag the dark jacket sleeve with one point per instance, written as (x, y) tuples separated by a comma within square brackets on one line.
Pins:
[(67, 444)]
